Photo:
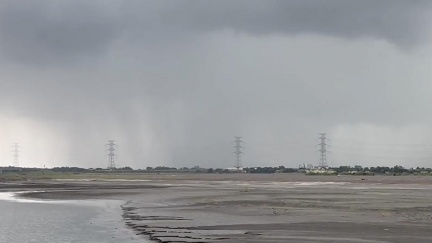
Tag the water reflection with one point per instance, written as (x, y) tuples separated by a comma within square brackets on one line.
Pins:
[(32, 220)]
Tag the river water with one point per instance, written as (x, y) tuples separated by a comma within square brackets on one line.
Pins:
[(23, 220)]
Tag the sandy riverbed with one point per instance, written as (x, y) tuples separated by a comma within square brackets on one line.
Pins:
[(260, 208)]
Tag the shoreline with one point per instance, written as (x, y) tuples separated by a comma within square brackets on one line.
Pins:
[(97, 220), (246, 208)]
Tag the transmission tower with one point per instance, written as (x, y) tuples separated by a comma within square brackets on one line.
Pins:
[(111, 155), (238, 151), (15, 154), (323, 151)]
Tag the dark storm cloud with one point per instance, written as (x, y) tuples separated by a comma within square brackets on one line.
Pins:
[(400, 22), (174, 81), (39, 31), (47, 30)]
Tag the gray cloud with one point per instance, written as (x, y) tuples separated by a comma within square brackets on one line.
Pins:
[(52, 31), (66, 30), (174, 81), (399, 22)]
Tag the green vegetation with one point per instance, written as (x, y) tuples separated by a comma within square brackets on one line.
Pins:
[(382, 170), (270, 170), (23, 174)]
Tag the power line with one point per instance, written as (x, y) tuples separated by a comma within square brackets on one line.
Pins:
[(382, 144), (378, 149), (359, 154)]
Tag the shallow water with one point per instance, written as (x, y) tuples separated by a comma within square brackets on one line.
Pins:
[(23, 220)]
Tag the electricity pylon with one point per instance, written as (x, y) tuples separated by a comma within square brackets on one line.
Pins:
[(323, 151), (238, 151), (111, 155)]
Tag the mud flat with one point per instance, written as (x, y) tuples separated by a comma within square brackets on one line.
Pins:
[(261, 208)]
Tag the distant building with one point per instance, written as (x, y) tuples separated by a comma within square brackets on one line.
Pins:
[(234, 169), (306, 166)]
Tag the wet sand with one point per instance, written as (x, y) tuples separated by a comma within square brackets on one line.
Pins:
[(260, 208)]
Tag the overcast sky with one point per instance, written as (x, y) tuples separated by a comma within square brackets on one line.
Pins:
[(174, 81)]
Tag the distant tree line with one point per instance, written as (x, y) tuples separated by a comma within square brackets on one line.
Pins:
[(382, 170), (270, 170), (357, 170)]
